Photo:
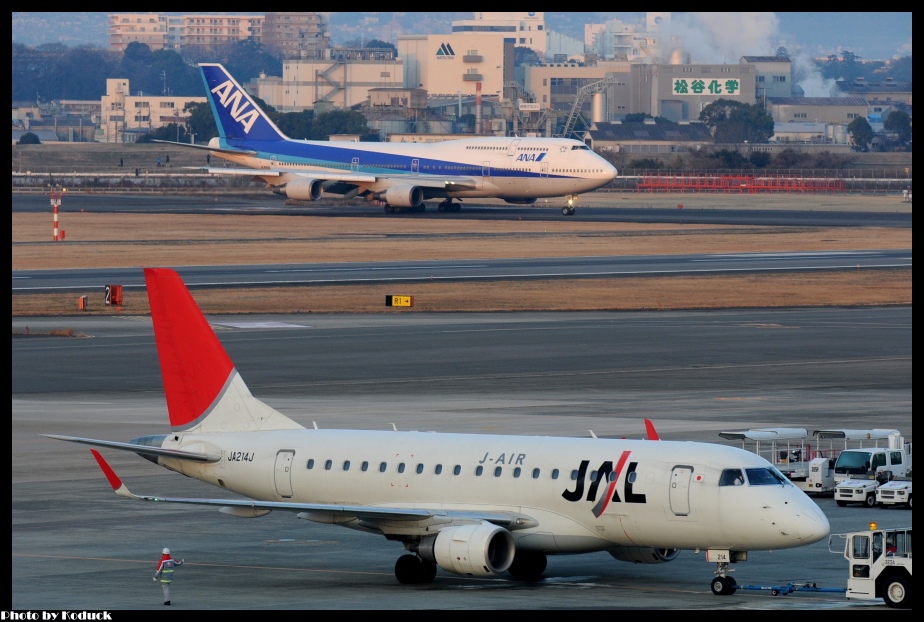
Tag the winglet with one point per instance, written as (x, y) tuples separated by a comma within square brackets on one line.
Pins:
[(114, 479), (650, 430)]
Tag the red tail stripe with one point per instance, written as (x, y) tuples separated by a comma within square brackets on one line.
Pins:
[(193, 363)]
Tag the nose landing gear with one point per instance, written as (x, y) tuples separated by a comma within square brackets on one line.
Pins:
[(723, 585), (568, 209)]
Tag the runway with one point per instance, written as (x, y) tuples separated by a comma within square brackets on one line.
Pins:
[(482, 270), (78, 546), (700, 209)]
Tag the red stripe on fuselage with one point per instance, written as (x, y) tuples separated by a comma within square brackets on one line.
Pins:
[(612, 486)]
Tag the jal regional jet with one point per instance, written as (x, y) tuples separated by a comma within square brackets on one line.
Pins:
[(469, 504)]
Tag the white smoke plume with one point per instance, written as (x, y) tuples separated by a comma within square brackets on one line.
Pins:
[(723, 38)]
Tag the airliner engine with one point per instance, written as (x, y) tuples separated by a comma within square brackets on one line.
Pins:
[(478, 550), (402, 196), (304, 189), (643, 554)]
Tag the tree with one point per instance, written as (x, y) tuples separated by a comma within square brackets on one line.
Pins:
[(294, 124), (734, 122), (651, 164), (899, 123), (378, 43), (525, 56), (790, 158), (28, 139), (861, 132), (201, 122), (247, 59), (730, 159), (167, 132), (338, 122), (760, 159)]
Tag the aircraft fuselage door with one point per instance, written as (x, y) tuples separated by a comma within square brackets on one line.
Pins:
[(680, 489), (543, 169), (512, 149), (283, 473), (354, 165), (415, 166), (486, 168)]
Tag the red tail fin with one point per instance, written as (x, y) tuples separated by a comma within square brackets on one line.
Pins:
[(650, 429), (194, 365)]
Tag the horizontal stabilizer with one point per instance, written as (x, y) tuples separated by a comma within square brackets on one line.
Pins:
[(248, 152), (141, 449)]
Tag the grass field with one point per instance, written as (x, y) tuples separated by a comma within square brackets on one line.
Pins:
[(107, 239)]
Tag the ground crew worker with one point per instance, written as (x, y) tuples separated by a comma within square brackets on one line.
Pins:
[(165, 573)]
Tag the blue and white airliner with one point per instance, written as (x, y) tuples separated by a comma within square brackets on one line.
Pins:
[(400, 176)]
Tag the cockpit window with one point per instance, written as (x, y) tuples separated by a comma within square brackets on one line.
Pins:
[(580, 147), (732, 477), (766, 477)]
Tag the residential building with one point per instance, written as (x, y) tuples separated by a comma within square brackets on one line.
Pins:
[(124, 117)]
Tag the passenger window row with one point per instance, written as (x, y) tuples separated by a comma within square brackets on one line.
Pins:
[(498, 471)]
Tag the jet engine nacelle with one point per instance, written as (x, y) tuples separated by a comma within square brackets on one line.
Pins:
[(304, 189), (478, 550), (643, 554), (521, 201), (402, 196)]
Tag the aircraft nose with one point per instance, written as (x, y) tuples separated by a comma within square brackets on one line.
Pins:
[(611, 171), (812, 524)]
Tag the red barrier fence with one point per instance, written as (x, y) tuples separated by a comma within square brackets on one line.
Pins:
[(734, 183)]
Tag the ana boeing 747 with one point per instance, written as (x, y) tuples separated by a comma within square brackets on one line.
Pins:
[(470, 504), (402, 176)]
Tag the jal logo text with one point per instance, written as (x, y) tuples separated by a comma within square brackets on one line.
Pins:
[(605, 473)]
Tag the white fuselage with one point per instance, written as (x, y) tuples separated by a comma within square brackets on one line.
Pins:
[(672, 499), (490, 166)]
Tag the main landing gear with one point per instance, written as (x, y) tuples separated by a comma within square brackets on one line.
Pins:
[(449, 206), (412, 570), (723, 585), (391, 209), (528, 565)]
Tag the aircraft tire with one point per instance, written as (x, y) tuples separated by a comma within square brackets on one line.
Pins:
[(410, 570), (528, 565), (720, 587)]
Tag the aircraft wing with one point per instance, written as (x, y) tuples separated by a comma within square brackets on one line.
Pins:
[(352, 179), (322, 512), (141, 449)]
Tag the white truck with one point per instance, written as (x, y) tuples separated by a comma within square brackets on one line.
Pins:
[(895, 492), (858, 473), (812, 466), (879, 563), (785, 448)]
